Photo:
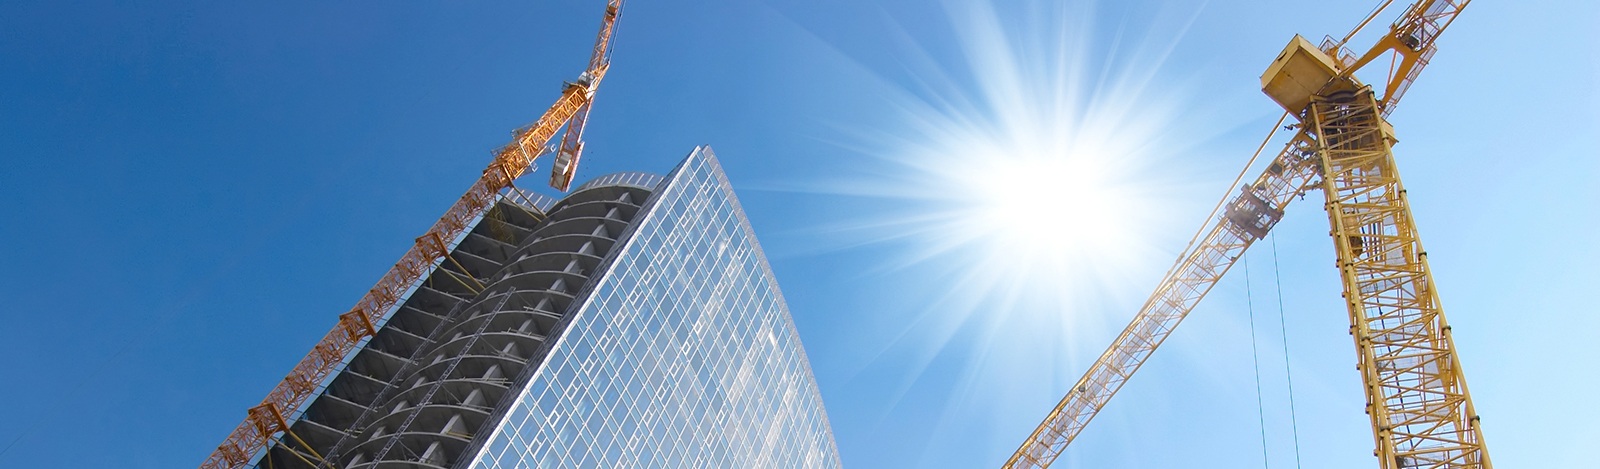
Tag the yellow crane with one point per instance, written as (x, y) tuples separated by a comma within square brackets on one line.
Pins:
[(1422, 415), (265, 421)]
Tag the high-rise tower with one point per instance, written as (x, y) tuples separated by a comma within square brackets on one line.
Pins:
[(634, 323)]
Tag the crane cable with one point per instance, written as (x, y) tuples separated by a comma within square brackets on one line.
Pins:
[(1255, 358), (525, 199), (1363, 24), (292, 451), (1294, 424), (1216, 209), (313, 451), (466, 273)]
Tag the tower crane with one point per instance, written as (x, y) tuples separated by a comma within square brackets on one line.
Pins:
[(265, 421), (1421, 413)]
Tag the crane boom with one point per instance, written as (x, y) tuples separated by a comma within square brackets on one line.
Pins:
[(1411, 40), (1246, 218), (265, 420), (1422, 415), (566, 162)]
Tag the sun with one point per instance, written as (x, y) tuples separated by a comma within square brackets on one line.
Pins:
[(1047, 208), (1028, 169), (1018, 199), (1047, 205)]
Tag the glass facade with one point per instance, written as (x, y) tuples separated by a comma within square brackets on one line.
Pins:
[(680, 352)]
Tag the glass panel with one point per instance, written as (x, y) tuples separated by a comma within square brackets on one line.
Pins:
[(701, 366)]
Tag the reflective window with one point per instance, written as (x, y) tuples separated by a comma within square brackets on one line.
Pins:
[(682, 355)]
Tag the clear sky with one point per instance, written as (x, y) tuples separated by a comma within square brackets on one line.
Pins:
[(192, 191)]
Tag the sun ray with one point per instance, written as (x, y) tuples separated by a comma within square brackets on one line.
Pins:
[(1030, 175), (1035, 175), (1029, 184)]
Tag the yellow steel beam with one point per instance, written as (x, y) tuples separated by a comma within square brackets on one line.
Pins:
[(1422, 414), (1245, 218)]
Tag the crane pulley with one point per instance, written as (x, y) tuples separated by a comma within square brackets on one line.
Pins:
[(1421, 413), (264, 421)]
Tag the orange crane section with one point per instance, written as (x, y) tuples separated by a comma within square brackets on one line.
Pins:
[(264, 421)]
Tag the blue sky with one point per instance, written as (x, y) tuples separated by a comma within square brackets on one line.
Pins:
[(192, 191)]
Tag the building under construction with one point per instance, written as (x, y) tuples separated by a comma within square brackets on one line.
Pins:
[(633, 323)]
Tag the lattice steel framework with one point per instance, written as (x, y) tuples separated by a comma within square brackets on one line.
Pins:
[(1422, 416)]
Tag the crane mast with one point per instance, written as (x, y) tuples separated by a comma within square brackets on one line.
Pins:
[(265, 421), (1416, 394), (1421, 413)]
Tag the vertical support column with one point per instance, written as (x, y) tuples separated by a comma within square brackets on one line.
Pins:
[(1422, 415)]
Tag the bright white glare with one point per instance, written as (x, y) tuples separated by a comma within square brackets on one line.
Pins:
[(1040, 167), (1043, 207), (1037, 186)]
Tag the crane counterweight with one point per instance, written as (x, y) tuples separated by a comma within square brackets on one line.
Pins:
[(1297, 74)]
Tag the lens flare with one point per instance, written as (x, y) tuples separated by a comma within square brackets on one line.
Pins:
[(1044, 208), (1037, 184), (1028, 164)]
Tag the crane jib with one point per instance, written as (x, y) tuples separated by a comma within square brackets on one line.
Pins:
[(1199, 269)]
